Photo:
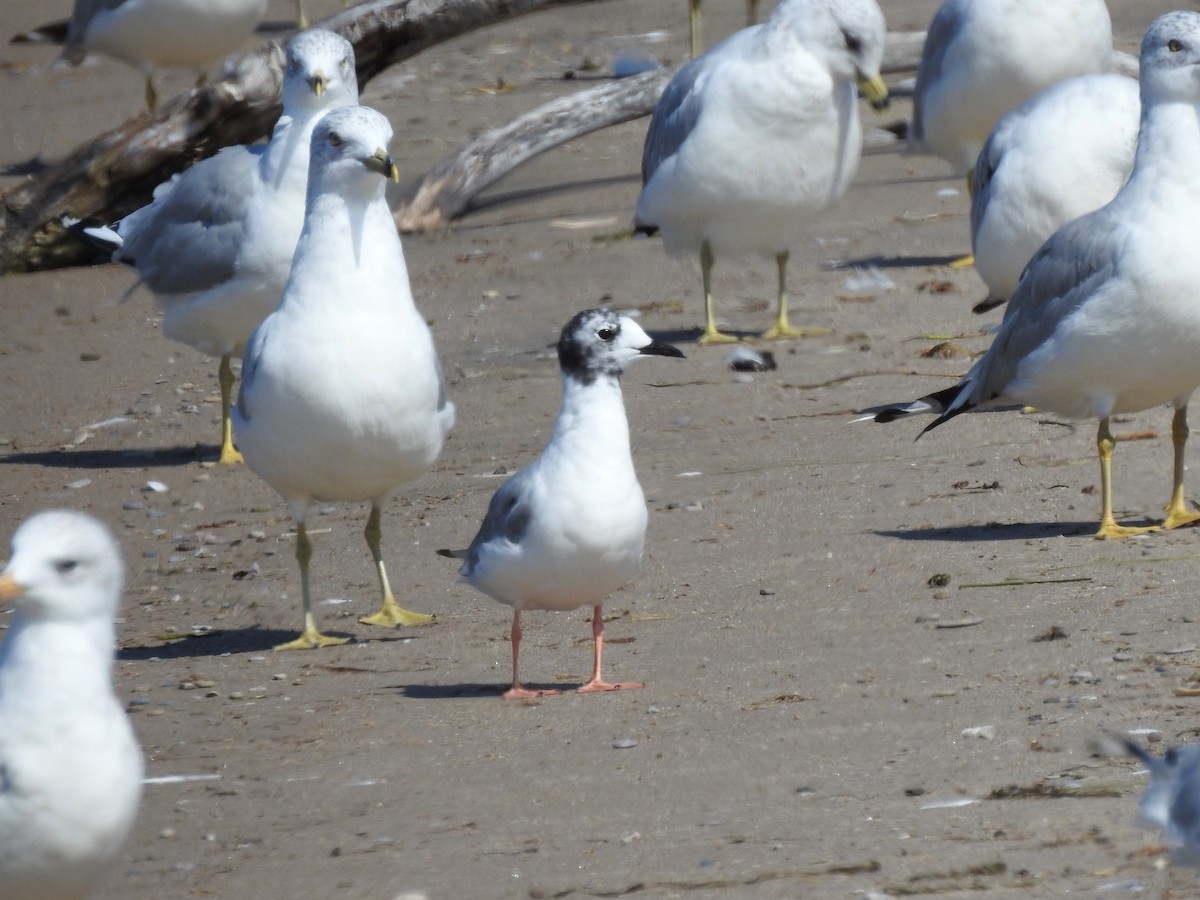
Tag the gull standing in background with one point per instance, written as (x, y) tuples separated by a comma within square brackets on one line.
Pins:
[(985, 57), (215, 246), (1064, 152), (1106, 318), (70, 766), (342, 395), (755, 137), (148, 34), (1172, 801), (568, 529)]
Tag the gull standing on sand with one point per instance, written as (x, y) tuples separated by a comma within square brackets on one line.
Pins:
[(1172, 801), (568, 529), (1062, 153), (985, 57), (342, 396), (215, 246), (750, 141), (148, 34), (1106, 318), (70, 766)]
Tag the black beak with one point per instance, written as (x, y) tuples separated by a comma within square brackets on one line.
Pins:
[(659, 348)]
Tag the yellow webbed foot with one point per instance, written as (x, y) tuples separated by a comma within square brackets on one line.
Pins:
[(963, 262), (712, 336), (231, 456), (1110, 531), (1179, 516), (393, 615), (311, 639)]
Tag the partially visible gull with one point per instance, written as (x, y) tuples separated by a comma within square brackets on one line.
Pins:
[(150, 34), (1106, 318), (1062, 153), (70, 766), (342, 397), (1171, 803), (568, 529), (751, 140), (215, 246), (983, 58)]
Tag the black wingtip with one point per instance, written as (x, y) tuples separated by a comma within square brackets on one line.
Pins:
[(645, 230), (987, 305), (452, 554)]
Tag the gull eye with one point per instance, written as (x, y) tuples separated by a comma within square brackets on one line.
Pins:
[(1174, 46), (606, 334), (853, 42), (335, 139), (66, 566)]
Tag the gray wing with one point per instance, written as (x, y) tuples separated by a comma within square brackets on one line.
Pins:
[(981, 179), (1066, 272), (674, 117), (942, 30), (508, 517), (187, 239)]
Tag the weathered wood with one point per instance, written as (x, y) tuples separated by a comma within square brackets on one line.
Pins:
[(117, 172), (446, 191)]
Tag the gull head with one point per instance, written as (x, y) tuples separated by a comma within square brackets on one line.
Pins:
[(847, 35), (319, 72), (601, 342), (1170, 59), (349, 152), (64, 565)]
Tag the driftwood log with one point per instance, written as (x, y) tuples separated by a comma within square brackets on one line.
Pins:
[(117, 172)]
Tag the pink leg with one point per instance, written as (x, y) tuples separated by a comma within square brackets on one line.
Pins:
[(516, 692), (597, 683)]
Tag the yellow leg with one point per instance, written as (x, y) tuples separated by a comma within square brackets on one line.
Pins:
[(751, 12), (391, 614), (694, 26), (1108, 525), (782, 327), (965, 262), (301, 16), (711, 334), (229, 453), (1178, 512), (310, 638), (151, 94)]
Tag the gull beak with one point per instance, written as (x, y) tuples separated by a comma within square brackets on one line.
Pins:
[(659, 348), (317, 82), (382, 163), (874, 90), (9, 589)]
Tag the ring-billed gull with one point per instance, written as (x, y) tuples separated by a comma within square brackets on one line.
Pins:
[(567, 530), (215, 246), (70, 766), (1172, 800), (150, 33), (983, 58), (755, 137), (342, 396), (1106, 318), (1062, 153)]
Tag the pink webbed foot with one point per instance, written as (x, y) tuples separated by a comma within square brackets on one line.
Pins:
[(595, 686), (516, 692)]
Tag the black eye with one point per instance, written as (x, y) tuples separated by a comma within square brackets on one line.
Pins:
[(335, 139), (1174, 46), (606, 334), (853, 42), (66, 566)]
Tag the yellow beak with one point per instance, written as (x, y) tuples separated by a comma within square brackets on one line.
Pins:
[(9, 589), (874, 90), (317, 83), (382, 163)]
